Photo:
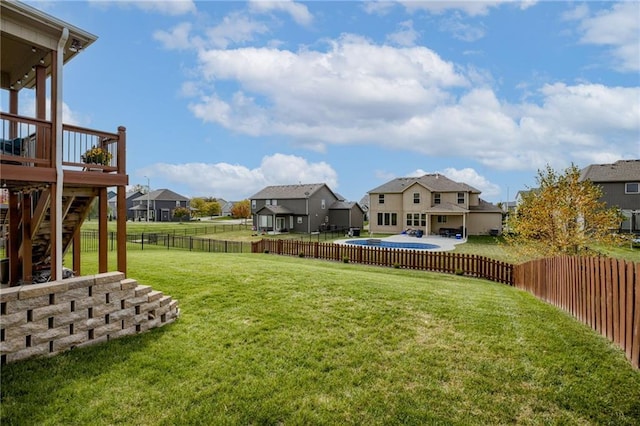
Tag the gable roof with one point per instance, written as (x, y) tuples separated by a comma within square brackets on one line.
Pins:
[(162, 195), (434, 182), (620, 171), (485, 207), (344, 205), (283, 192), (275, 209)]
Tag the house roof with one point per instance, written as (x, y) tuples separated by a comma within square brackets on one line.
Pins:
[(434, 182), (447, 208), (283, 192), (161, 195), (275, 210), (485, 207), (344, 205), (620, 171)]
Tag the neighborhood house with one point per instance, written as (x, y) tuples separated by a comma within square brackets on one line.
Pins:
[(620, 184), (159, 203), (432, 204), (303, 208)]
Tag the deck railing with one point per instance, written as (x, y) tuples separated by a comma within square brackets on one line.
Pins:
[(25, 138), (30, 138)]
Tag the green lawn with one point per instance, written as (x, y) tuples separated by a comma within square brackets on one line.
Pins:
[(265, 339)]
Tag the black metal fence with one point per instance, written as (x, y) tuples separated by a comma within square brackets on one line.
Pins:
[(153, 240)]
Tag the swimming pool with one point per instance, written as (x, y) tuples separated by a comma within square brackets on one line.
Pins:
[(393, 244)]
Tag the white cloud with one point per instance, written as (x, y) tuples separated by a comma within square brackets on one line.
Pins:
[(298, 11), (378, 7), (235, 28), (410, 99), (233, 181), (165, 7), (177, 38), (405, 36), (471, 8), (471, 177), (461, 30), (618, 28)]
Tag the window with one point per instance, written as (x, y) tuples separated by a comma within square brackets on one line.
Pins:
[(442, 219), (299, 220), (267, 202), (413, 219), (322, 204), (380, 198), (460, 197), (632, 188), (416, 198), (253, 204), (274, 202), (387, 219), (436, 198), (423, 219)]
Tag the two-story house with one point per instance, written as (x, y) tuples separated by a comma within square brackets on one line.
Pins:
[(303, 208), (620, 184), (159, 204), (433, 204)]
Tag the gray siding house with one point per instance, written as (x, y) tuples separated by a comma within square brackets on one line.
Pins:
[(303, 208), (620, 183), (162, 203)]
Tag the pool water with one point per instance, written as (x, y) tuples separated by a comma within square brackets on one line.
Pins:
[(393, 244)]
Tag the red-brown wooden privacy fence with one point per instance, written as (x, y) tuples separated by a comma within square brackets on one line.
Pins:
[(602, 293), (467, 264)]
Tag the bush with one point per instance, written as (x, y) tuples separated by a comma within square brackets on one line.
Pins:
[(301, 254), (345, 259), (396, 265), (266, 251)]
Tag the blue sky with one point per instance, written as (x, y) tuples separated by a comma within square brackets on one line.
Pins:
[(223, 98)]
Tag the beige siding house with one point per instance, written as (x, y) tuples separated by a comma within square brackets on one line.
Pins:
[(433, 204)]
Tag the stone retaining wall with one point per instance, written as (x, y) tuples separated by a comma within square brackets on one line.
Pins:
[(46, 319)]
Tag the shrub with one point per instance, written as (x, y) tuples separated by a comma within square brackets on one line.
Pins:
[(396, 265), (301, 254), (345, 259)]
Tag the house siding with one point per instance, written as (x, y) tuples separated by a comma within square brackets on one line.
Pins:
[(613, 194), (483, 223), (393, 203)]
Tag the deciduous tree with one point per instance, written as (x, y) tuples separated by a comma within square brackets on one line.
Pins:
[(241, 209), (197, 204), (562, 216)]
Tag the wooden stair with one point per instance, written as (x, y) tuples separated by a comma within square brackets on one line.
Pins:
[(76, 204)]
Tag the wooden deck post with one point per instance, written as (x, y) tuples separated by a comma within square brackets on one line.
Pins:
[(27, 248), (14, 248), (103, 241), (77, 246), (121, 214), (54, 231)]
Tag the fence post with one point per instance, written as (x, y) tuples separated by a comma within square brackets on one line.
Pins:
[(142, 242)]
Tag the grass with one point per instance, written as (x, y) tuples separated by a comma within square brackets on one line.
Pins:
[(280, 340)]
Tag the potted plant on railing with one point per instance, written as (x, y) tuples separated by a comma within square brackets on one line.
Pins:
[(97, 155)]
